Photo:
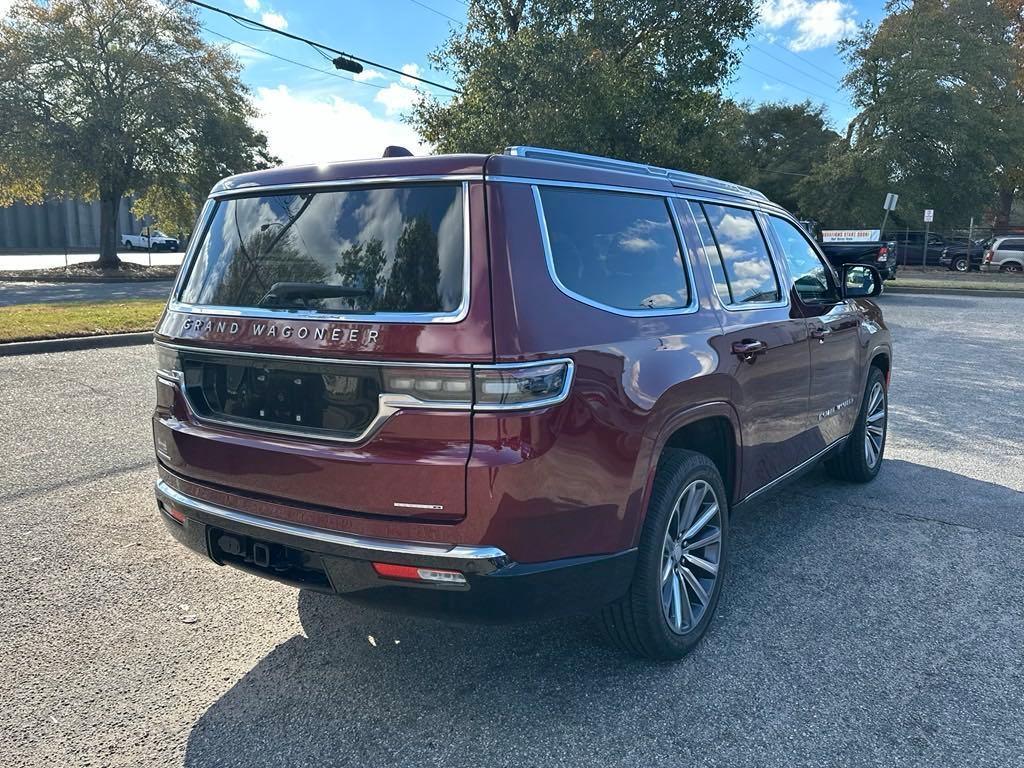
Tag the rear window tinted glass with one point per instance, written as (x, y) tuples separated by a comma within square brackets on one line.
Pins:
[(744, 256), (380, 250), (616, 249)]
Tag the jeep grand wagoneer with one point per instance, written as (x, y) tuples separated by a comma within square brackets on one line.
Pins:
[(505, 385)]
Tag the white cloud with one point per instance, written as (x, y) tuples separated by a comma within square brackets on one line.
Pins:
[(252, 5), (817, 24), (308, 129), (275, 20), (411, 69), (369, 74), (245, 54), (396, 98)]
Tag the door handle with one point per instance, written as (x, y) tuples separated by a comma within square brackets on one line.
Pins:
[(820, 333), (748, 349)]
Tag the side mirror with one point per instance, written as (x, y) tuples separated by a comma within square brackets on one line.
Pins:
[(860, 281)]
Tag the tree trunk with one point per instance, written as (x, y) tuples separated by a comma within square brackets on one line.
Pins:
[(1003, 208), (110, 236)]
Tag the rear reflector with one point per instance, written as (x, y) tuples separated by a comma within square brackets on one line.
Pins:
[(412, 573), (175, 514)]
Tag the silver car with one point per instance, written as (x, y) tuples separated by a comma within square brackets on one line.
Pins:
[(1004, 254)]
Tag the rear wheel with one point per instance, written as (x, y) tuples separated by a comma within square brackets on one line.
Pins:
[(681, 562), (961, 265), (860, 458), (1015, 268), (128, 245)]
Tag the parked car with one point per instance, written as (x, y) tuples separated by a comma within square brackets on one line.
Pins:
[(911, 250), (1004, 254), (964, 257), (879, 254), (150, 240), (502, 386)]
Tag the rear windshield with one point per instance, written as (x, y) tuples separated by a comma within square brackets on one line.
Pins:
[(367, 250)]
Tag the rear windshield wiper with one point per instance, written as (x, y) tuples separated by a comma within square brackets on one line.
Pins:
[(286, 293)]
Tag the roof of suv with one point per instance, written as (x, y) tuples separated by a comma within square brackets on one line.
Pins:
[(516, 162)]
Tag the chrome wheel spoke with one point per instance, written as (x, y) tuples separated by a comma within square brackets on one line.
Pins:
[(702, 521), (712, 538), (687, 608), (666, 570), (677, 608), (694, 495), (695, 585), (701, 563)]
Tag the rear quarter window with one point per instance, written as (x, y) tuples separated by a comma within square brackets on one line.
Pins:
[(1011, 245), (395, 249), (618, 250)]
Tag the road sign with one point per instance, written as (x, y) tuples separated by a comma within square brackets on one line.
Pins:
[(929, 214), (890, 202)]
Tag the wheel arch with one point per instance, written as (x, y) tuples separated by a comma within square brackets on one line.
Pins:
[(711, 429)]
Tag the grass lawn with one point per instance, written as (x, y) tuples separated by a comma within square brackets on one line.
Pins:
[(50, 320)]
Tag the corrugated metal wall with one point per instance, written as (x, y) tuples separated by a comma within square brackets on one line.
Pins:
[(57, 223)]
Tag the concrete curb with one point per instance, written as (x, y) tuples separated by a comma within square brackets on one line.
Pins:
[(78, 342), (940, 291)]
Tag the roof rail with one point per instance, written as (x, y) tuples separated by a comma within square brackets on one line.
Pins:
[(625, 166)]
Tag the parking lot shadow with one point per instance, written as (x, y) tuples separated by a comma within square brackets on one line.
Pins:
[(849, 627)]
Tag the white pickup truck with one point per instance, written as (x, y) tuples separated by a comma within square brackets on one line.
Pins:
[(150, 240)]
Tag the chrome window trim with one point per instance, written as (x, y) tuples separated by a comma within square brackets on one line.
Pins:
[(739, 202), (394, 546), (533, 404), (691, 307), (244, 191), (694, 180), (417, 318), (728, 307)]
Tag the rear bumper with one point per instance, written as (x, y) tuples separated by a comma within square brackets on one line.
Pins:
[(495, 588)]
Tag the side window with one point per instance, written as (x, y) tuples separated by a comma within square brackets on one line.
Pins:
[(811, 278), (1011, 245), (616, 249), (745, 266)]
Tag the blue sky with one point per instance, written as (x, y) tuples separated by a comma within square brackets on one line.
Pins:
[(312, 113)]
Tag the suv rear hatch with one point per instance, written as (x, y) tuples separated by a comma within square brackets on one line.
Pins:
[(317, 347)]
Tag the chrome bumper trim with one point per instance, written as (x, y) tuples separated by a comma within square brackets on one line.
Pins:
[(370, 545)]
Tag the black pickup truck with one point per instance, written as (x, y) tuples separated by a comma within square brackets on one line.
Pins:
[(876, 253)]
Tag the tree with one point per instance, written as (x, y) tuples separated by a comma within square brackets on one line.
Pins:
[(939, 119), (102, 98), (784, 143), (632, 80)]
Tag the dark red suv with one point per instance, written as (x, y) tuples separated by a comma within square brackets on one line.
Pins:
[(505, 385)]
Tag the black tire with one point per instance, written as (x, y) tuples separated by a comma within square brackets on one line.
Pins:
[(960, 265), (1014, 268), (638, 622), (128, 245), (852, 462)]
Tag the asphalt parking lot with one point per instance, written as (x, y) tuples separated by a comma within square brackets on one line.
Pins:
[(878, 625)]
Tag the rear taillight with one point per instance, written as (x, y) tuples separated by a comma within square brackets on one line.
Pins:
[(485, 388), (988, 256), (883, 253)]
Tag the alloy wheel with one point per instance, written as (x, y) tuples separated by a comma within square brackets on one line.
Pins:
[(961, 265), (874, 432), (691, 556)]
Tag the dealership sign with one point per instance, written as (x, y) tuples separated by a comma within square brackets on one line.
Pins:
[(850, 235)]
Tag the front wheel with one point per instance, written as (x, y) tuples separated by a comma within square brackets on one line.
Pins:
[(961, 265), (681, 562), (861, 457)]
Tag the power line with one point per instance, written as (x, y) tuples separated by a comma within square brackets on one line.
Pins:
[(290, 61), (804, 58), (314, 44), (826, 99), (792, 66), (432, 9)]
